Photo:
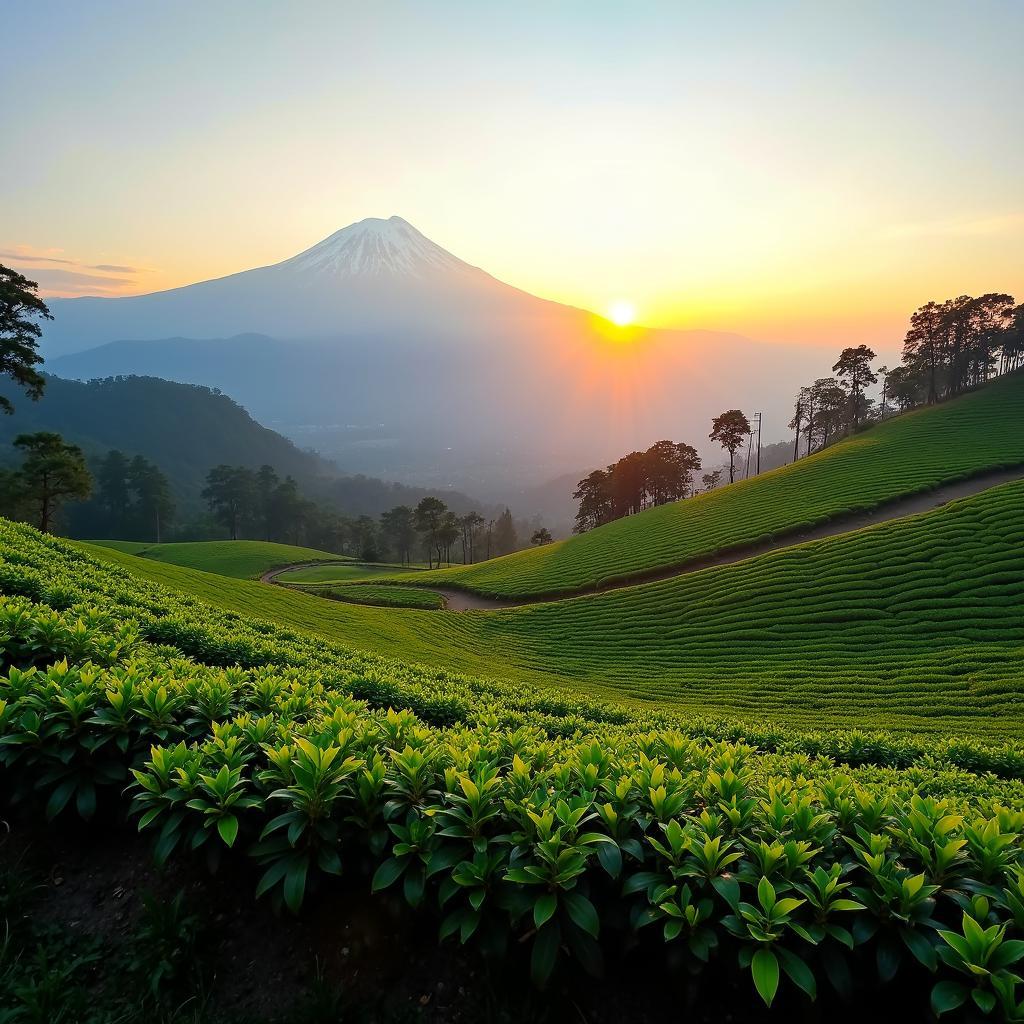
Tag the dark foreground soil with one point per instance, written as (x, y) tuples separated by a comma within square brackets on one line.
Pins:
[(94, 892)]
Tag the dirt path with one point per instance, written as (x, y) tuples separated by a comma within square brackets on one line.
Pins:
[(457, 600)]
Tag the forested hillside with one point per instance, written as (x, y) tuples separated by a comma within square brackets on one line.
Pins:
[(185, 430)]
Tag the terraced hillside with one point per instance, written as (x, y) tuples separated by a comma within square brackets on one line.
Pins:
[(914, 625), (242, 559), (906, 455), (386, 597)]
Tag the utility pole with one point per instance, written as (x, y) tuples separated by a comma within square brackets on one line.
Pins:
[(758, 444)]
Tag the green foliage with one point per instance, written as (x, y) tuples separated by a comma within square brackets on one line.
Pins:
[(337, 573), (384, 596), (20, 305), (51, 473)]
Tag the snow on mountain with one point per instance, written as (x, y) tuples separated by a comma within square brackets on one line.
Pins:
[(376, 246)]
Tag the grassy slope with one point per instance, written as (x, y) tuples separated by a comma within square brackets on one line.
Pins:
[(387, 597), (338, 573), (908, 454), (129, 547), (242, 559), (914, 624)]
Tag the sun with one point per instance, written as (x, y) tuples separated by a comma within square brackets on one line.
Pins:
[(622, 312)]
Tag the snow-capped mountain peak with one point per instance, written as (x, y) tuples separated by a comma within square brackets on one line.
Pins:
[(375, 246)]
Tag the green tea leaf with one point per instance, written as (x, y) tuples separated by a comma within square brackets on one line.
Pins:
[(765, 970)]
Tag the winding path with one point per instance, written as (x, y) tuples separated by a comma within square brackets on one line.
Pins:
[(457, 600)]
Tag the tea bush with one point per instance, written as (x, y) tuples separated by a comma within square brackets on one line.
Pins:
[(515, 814)]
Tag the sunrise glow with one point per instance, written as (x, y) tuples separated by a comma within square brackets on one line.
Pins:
[(621, 312)]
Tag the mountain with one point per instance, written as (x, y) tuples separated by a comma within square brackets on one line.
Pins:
[(376, 276), (384, 350)]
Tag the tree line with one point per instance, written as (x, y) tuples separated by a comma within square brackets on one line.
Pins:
[(663, 473), (258, 503), (949, 348), (133, 494), (135, 500), (956, 345)]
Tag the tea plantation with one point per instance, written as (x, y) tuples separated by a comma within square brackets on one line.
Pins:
[(243, 559), (802, 772), (520, 818), (916, 624), (905, 455)]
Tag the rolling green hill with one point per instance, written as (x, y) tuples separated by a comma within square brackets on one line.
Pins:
[(241, 559), (906, 455), (197, 618), (912, 625), (385, 597)]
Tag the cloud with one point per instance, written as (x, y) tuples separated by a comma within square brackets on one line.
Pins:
[(20, 257), (110, 268), (56, 281), (978, 227), (58, 274)]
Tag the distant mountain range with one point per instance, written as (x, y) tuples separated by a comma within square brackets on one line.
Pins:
[(382, 349)]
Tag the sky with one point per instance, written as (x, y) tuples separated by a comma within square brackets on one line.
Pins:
[(807, 172)]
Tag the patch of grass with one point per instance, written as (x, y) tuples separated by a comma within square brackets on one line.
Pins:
[(910, 625), (339, 573), (241, 559), (385, 597), (129, 547), (903, 456)]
